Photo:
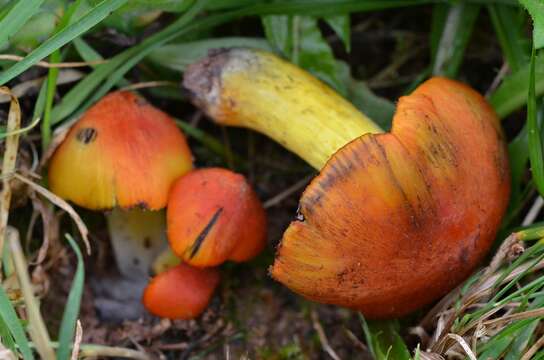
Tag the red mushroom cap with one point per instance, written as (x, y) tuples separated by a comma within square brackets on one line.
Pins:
[(214, 215), (181, 292), (396, 220)]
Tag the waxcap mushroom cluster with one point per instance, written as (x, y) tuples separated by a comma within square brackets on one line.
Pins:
[(213, 216), (392, 222), (128, 158), (122, 157)]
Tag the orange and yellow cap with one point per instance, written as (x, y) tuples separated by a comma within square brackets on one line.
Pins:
[(123, 152), (396, 220)]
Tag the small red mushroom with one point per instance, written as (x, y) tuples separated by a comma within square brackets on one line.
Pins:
[(181, 292), (213, 216)]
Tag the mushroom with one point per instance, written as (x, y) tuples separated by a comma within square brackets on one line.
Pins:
[(122, 156), (181, 292), (394, 220), (214, 215)]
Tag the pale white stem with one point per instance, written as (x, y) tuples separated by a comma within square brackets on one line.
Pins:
[(137, 237)]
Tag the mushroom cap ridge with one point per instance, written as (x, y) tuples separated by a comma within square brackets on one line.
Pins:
[(394, 221)]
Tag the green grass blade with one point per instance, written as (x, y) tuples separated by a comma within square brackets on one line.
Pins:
[(141, 51), (336, 7), (341, 24), (93, 17), (300, 39), (498, 347), (17, 17), (4, 10), (500, 341), (438, 23), (518, 153), (379, 109), (536, 9), (454, 38), (50, 91), (52, 76), (39, 105), (73, 304), (512, 93), (6, 337), (14, 325), (533, 232), (113, 71), (509, 25), (75, 97), (89, 54), (178, 56), (85, 50), (517, 335), (36, 325), (277, 31), (211, 143), (522, 340), (383, 340), (535, 135), (123, 62)]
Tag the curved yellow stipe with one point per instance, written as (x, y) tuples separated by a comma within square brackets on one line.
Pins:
[(260, 91)]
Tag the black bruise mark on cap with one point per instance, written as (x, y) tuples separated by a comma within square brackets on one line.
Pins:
[(87, 135), (202, 236), (140, 205)]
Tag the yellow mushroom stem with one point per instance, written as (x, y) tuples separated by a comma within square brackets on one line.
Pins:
[(258, 90)]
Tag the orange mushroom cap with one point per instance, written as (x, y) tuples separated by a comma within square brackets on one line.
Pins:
[(122, 152), (396, 220), (214, 215), (181, 292)]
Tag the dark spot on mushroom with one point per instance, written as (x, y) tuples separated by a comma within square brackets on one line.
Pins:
[(231, 103), (204, 233), (86, 135), (147, 242), (464, 256), (140, 205)]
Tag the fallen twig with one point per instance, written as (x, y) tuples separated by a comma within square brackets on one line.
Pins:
[(45, 64), (36, 328), (323, 337), (9, 163)]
